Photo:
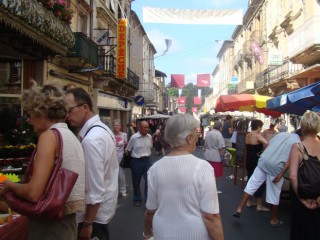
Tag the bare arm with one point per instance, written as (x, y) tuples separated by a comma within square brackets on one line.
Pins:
[(42, 168), (91, 212), (213, 225), (280, 175), (262, 140), (148, 218)]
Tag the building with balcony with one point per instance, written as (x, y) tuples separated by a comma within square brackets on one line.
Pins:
[(276, 50)]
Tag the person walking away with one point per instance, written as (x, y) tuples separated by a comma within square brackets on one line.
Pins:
[(46, 109), (268, 134), (227, 131), (182, 197), (305, 220), (102, 167), (121, 143), (156, 140), (272, 165), (214, 149), (255, 143), (139, 148)]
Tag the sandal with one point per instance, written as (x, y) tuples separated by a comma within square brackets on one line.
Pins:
[(263, 209), (249, 205), (278, 224), (237, 215)]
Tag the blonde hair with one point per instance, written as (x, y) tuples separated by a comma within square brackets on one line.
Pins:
[(47, 101), (310, 123)]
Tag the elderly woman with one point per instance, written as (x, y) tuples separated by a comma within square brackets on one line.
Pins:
[(121, 143), (306, 211), (182, 193), (46, 109), (214, 149)]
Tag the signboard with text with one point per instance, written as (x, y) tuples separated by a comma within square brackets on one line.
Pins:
[(122, 49)]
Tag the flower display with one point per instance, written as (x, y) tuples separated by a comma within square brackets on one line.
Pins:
[(59, 8)]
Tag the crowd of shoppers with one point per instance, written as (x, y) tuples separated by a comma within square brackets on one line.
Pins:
[(191, 211)]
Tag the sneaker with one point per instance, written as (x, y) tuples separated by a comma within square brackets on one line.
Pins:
[(123, 195), (219, 192), (137, 203)]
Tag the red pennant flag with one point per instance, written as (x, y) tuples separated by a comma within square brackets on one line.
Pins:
[(182, 109), (203, 80), (197, 100), (177, 80), (182, 100), (194, 109)]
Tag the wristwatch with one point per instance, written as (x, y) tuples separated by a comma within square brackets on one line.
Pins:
[(87, 224)]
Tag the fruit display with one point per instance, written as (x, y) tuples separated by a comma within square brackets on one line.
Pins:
[(9, 176)]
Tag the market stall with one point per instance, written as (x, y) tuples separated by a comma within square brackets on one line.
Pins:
[(297, 102)]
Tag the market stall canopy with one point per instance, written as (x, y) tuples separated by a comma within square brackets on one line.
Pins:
[(155, 116), (244, 102), (297, 102)]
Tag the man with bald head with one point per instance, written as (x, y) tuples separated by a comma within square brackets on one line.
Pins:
[(139, 147)]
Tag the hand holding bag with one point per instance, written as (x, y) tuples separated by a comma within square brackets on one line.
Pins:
[(125, 161), (308, 175), (59, 187)]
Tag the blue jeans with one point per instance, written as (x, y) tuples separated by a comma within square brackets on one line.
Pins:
[(139, 168)]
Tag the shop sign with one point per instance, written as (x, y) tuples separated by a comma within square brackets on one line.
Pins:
[(275, 58), (122, 49), (234, 80)]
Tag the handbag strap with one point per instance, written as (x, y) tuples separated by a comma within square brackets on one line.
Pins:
[(100, 127)]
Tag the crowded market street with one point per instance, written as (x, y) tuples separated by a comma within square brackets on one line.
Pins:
[(127, 224)]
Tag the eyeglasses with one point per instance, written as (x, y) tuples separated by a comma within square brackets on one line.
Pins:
[(79, 105)]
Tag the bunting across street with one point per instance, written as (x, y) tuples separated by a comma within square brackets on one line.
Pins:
[(192, 16)]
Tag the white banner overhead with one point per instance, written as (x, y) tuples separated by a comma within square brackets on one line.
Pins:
[(183, 16)]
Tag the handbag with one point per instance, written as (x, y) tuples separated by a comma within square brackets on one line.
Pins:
[(125, 161), (59, 187), (308, 176)]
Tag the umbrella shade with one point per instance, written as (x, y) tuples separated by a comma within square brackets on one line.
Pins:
[(244, 102), (297, 102)]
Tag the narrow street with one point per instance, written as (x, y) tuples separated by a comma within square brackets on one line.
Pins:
[(127, 224)]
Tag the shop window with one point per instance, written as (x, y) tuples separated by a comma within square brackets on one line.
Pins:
[(14, 130), (10, 76)]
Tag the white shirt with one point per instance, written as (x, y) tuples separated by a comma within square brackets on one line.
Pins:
[(179, 188), (102, 169), (140, 146), (213, 142)]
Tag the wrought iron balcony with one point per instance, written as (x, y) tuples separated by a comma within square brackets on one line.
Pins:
[(304, 43), (133, 79), (85, 48), (274, 74)]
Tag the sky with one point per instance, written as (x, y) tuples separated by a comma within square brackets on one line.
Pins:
[(194, 47)]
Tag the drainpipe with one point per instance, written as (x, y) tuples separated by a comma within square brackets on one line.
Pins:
[(91, 20)]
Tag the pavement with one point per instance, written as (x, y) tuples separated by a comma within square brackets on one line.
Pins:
[(127, 224)]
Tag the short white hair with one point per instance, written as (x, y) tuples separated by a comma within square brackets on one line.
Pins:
[(178, 127)]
